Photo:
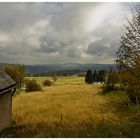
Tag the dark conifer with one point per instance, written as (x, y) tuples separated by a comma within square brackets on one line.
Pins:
[(89, 77), (95, 76)]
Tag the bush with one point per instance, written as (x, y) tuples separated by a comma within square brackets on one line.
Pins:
[(47, 83), (32, 85), (55, 78), (130, 82), (111, 81), (133, 87)]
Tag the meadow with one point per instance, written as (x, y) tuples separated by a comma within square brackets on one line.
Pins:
[(71, 108)]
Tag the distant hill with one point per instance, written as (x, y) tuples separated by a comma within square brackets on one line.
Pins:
[(68, 68), (64, 69)]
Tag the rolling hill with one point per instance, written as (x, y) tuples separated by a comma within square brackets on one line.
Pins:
[(68, 68), (64, 69)]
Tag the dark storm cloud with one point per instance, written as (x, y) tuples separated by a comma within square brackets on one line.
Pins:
[(109, 42), (101, 48)]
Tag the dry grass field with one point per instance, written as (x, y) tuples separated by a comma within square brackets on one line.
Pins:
[(71, 108)]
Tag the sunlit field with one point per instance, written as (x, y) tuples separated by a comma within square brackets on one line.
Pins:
[(71, 108), (62, 81)]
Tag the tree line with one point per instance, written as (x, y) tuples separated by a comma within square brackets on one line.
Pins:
[(95, 77)]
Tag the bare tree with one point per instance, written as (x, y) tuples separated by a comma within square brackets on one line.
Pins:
[(129, 50)]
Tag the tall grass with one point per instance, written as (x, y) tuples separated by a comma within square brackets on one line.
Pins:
[(72, 108)]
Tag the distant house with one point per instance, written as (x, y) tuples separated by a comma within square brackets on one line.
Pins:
[(7, 89)]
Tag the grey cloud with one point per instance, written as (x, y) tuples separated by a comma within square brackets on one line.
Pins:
[(14, 16), (63, 32), (73, 51), (69, 24), (100, 48), (109, 32), (49, 47), (68, 27), (48, 44), (109, 42)]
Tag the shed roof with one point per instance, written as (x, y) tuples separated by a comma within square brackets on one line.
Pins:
[(6, 82)]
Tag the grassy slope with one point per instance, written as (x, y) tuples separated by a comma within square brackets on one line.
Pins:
[(73, 109)]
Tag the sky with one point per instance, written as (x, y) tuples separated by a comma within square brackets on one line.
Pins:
[(56, 33)]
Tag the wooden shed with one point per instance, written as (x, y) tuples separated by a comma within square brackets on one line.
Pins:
[(7, 88)]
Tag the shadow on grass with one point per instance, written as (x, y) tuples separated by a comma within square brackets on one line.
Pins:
[(116, 90), (86, 129)]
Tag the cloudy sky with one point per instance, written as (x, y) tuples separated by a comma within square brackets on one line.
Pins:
[(44, 33)]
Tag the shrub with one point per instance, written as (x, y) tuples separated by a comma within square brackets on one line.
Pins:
[(55, 78), (47, 83), (32, 85), (133, 86), (130, 82), (112, 79)]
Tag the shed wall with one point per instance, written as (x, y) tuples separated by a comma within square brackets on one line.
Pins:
[(5, 110)]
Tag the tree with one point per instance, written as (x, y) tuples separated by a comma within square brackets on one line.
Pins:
[(101, 76), (112, 79), (128, 57), (95, 76), (89, 77), (129, 50), (16, 72)]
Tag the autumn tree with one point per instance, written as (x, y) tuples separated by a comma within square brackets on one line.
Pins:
[(128, 57), (17, 72), (112, 80)]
